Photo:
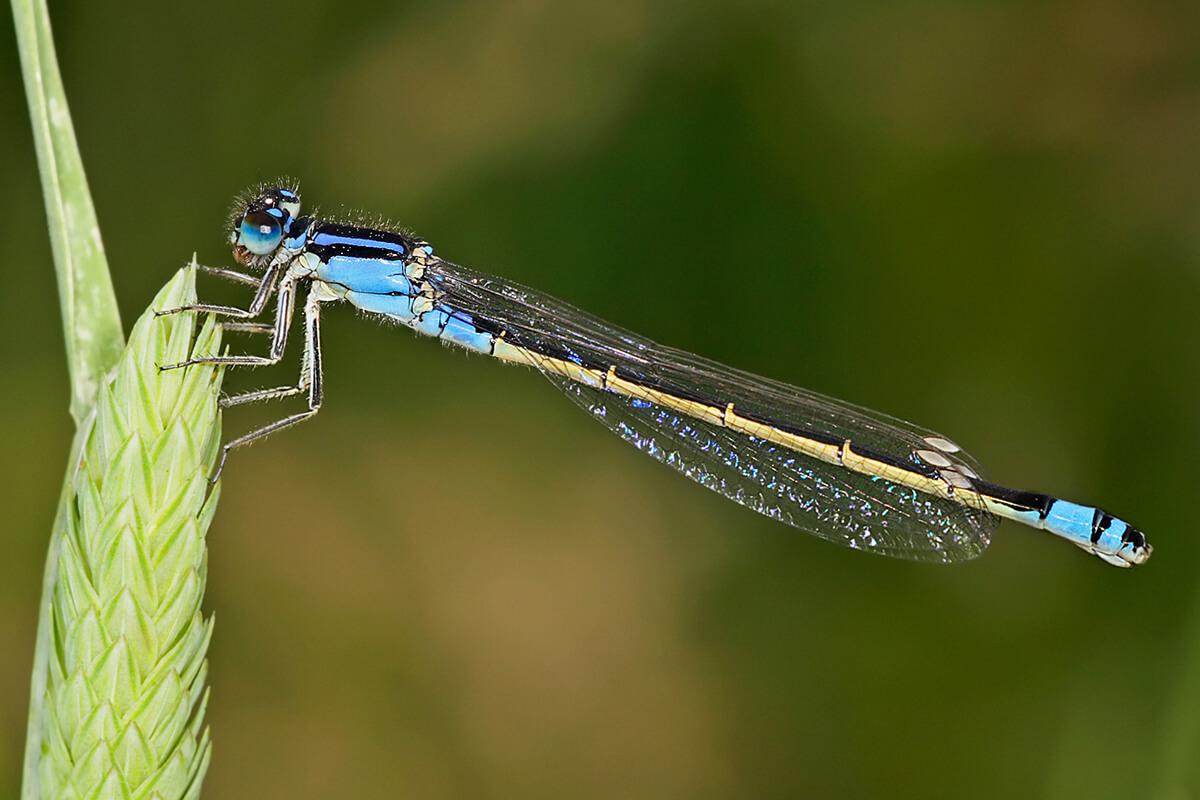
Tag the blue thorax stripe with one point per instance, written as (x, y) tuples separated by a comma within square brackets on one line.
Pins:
[(329, 240)]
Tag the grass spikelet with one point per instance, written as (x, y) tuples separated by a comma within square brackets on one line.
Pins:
[(122, 713)]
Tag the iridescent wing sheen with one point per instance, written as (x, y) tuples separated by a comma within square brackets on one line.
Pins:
[(860, 511)]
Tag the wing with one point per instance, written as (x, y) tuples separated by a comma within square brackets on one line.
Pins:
[(678, 407)]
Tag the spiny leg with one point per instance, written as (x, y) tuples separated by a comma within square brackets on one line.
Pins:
[(249, 327), (311, 379), (278, 392), (231, 275), (265, 288), (262, 395), (284, 306), (238, 277)]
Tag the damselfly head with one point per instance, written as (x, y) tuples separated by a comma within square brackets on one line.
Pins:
[(261, 225)]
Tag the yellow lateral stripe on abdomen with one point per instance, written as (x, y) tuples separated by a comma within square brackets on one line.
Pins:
[(821, 451), (692, 408), (842, 455), (938, 487), (515, 354)]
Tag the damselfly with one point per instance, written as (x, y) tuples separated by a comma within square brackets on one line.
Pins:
[(841, 472)]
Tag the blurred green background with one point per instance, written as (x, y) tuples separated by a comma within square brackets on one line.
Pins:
[(980, 216)]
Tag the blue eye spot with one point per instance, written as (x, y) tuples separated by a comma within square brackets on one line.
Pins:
[(260, 232)]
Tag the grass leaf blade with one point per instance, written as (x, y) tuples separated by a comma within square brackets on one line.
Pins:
[(91, 321)]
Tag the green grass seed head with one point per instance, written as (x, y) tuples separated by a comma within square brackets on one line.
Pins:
[(125, 692)]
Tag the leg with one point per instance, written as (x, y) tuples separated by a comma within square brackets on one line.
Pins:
[(249, 327), (231, 275), (281, 392), (311, 379), (262, 395), (265, 287), (283, 321)]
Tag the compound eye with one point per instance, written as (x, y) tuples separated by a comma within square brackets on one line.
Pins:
[(260, 232)]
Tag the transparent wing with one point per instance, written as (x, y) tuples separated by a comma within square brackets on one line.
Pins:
[(859, 511)]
